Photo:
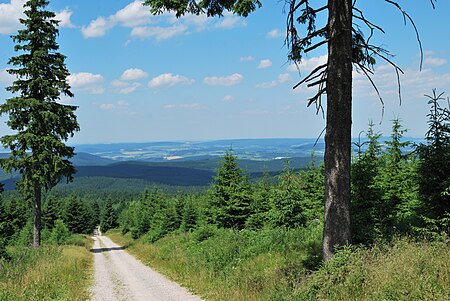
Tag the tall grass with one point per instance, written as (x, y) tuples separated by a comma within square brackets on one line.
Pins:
[(280, 264), (47, 273), (221, 264), (402, 270)]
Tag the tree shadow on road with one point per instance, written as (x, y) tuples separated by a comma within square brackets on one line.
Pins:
[(101, 250)]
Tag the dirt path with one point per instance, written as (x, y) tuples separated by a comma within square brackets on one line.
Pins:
[(120, 277)]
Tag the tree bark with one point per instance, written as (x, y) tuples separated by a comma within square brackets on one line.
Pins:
[(37, 216), (338, 128)]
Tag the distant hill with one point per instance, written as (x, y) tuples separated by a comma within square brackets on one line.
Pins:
[(86, 159), (167, 175)]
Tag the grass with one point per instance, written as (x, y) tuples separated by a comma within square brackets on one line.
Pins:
[(281, 264), (403, 270), (47, 273), (220, 264)]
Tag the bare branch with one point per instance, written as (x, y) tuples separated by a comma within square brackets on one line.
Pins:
[(407, 16), (363, 68), (316, 45), (318, 82), (310, 74), (317, 96)]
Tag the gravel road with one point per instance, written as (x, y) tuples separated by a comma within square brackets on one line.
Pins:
[(120, 277)]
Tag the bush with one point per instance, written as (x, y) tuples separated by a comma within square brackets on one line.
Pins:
[(60, 233)]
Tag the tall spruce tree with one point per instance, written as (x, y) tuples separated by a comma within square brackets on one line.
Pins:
[(40, 123)]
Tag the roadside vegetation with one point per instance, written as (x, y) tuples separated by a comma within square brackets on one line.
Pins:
[(51, 272)]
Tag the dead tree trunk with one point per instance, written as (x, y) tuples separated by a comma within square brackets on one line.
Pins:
[(338, 127)]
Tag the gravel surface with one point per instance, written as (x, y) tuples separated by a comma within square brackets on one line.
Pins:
[(120, 277)]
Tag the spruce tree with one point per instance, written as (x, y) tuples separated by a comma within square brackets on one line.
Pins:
[(434, 164), (231, 194), (41, 125), (109, 219), (366, 194)]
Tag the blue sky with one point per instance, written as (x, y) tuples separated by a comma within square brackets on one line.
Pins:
[(138, 77)]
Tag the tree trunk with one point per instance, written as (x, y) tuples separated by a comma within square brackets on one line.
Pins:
[(338, 128), (37, 216)]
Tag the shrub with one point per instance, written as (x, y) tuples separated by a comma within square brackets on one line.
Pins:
[(60, 233)]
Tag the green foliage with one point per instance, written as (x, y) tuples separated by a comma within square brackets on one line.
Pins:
[(209, 7), (434, 167), (230, 194), (384, 190), (366, 195), (297, 198), (39, 122), (78, 215), (60, 233), (24, 237), (14, 214), (109, 219), (52, 210), (404, 270), (47, 273)]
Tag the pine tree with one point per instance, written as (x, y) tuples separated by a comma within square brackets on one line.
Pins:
[(395, 180), (366, 195), (109, 219), (434, 164), (51, 211), (78, 216), (40, 123), (288, 200), (231, 194)]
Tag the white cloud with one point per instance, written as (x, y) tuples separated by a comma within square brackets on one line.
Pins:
[(133, 74), (273, 34), (434, 62), (6, 78), (414, 83), (159, 33), (307, 65), (228, 98), (231, 80), (120, 106), (168, 80), (86, 82), (96, 28), (200, 22), (134, 14), (284, 77), (263, 64), (64, 18), (107, 106), (125, 87), (230, 21), (182, 106), (10, 13), (268, 85), (247, 58)]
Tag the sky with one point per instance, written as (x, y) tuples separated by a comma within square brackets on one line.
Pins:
[(141, 78)]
